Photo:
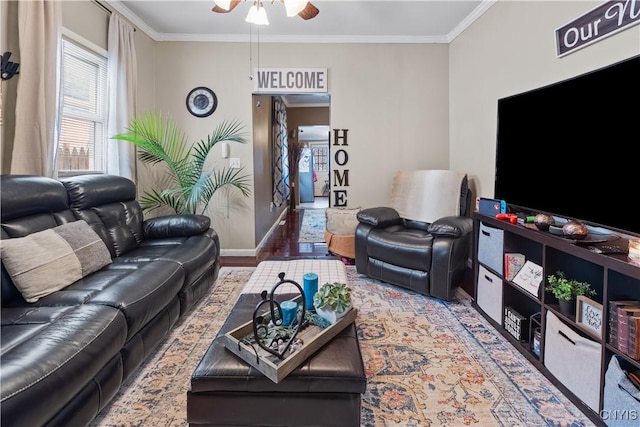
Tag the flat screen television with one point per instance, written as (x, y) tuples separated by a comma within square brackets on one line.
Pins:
[(571, 148)]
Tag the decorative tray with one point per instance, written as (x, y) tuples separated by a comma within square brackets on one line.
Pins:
[(314, 333)]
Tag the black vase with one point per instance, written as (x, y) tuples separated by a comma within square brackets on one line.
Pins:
[(568, 308)]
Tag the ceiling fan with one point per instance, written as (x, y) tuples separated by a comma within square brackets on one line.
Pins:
[(302, 8)]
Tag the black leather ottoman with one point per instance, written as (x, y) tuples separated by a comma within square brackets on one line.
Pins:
[(324, 391)]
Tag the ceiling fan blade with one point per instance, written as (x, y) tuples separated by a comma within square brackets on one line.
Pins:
[(233, 4), (309, 12)]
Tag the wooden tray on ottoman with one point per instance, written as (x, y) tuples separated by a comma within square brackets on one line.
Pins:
[(270, 365)]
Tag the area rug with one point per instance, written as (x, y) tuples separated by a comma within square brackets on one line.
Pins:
[(313, 225), (428, 363)]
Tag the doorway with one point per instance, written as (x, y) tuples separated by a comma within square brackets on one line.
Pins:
[(301, 110), (315, 138), (308, 125)]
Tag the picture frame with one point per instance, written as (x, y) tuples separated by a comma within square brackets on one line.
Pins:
[(589, 316)]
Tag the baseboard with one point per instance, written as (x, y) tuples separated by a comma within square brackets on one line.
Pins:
[(256, 251), (238, 252)]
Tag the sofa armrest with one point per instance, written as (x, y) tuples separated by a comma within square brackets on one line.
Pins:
[(379, 217), (451, 226), (175, 226)]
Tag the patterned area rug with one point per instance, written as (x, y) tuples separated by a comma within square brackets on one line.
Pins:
[(428, 363), (313, 225)]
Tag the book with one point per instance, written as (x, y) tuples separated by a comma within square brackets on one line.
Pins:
[(529, 277), (513, 262), (613, 318), (624, 313), (633, 350)]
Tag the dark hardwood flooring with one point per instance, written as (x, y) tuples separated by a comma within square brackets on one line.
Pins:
[(283, 242)]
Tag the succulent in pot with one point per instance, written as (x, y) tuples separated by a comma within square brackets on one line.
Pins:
[(332, 301), (567, 290)]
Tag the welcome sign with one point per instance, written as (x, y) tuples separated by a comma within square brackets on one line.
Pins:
[(290, 80), (602, 21)]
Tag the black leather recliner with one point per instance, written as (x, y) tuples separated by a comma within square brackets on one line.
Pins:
[(423, 240)]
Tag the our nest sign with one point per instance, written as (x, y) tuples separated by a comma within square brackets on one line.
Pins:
[(600, 22)]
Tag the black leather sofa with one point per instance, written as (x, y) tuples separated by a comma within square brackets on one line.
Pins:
[(428, 257), (65, 356)]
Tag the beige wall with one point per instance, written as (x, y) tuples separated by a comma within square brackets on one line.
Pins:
[(394, 123), (406, 106), (87, 20), (265, 215), (511, 49)]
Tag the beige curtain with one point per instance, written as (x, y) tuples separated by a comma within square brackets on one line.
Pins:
[(34, 147), (122, 78)]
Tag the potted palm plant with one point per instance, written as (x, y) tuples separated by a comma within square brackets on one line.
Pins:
[(332, 301), (188, 185), (567, 290)]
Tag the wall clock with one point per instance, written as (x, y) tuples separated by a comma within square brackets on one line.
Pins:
[(202, 101)]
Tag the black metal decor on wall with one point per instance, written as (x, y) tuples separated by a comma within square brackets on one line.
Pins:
[(9, 69)]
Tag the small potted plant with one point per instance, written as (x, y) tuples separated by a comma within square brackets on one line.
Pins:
[(566, 291), (332, 301)]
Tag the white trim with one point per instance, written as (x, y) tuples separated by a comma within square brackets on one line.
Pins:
[(238, 252), (235, 38), (133, 18), (254, 252), (84, 42), (470, 19)]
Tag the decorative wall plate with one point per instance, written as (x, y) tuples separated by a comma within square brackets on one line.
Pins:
[(202, 101)]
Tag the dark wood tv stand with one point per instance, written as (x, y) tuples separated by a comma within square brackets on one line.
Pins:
[(613, 276)]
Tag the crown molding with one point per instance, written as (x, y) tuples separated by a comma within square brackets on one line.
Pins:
[(470, 19), (246, 38)]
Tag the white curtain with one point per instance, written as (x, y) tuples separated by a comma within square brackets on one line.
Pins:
[(34, 146), (122, 78)]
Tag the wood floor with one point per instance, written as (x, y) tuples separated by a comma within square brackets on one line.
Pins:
[(282, 243)]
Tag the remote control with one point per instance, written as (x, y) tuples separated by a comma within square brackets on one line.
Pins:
[(608, 249)]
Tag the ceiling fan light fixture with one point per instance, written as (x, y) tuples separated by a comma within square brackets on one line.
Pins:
[(294, 6), (224, 4), (257, 15)]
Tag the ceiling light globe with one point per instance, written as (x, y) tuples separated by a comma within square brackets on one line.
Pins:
[(224, 4), (294, 6), (257, 15)]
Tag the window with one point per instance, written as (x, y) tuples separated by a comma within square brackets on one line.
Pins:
[(82, 139), (320, 155)]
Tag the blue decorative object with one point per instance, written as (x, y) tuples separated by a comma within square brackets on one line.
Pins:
[(310, 284), (289, 312)]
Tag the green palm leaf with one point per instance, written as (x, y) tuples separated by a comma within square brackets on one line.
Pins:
[(186, 188)]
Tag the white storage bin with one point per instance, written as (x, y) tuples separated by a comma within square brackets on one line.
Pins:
[(490, 294), (573, 359), (490, 247)]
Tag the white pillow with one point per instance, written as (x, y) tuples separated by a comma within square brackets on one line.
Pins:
[(49, 260)]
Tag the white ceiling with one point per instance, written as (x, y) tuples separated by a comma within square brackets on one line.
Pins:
[(339, 21), (354, 21)]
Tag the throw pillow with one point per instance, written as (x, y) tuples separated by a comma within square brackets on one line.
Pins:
[(49, 260), (342, 221)]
